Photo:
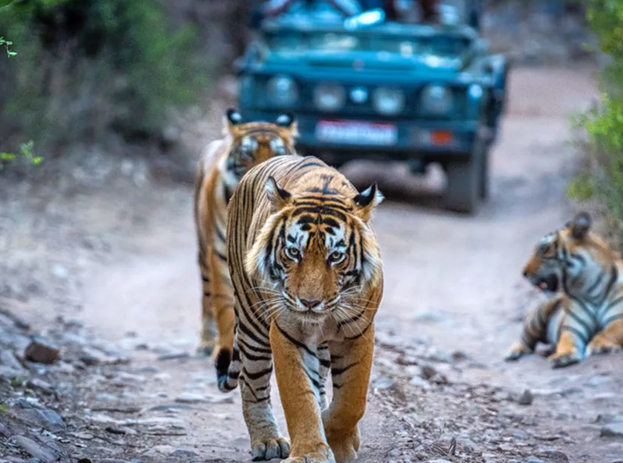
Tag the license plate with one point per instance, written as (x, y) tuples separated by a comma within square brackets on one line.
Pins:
[(357, 133)]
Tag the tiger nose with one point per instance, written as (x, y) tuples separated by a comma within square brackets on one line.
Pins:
[(525, 273), (309, 304)]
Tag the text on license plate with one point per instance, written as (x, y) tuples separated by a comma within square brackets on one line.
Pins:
[(359, 133)]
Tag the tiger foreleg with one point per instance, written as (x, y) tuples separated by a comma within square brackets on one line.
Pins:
[(569, 350), (607, 340), (534, 330), (257, 366), (208, 326), (351, 362), (300, 403), (223, 304)]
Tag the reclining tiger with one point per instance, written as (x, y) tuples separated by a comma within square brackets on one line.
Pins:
[(308, 280), (219, 170), (585, 315)]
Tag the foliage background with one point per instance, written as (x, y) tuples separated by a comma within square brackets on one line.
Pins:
[(602, 177), (108, 72)]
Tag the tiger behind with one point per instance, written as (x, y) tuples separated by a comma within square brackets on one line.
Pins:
[(220, 168), (585, 314), (308, 280)]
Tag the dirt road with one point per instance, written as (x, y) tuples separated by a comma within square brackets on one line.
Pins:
[(453, 298)]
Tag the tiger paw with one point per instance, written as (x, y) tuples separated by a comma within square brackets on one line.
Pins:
[(564, 359), (516, 352), (270, 448), (344, 445), (206, 348), (601, 345), (323, 454)]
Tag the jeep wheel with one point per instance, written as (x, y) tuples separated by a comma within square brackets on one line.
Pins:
[(462, 192)]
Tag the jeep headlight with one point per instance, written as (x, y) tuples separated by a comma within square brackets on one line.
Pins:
[(388, 101), (282, 91), (329, 97), (437, 100)]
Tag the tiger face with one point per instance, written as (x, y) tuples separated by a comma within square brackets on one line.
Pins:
[(256, 142), (317, 251), (567, 258)]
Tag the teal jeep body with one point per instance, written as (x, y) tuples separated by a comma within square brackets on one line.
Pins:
[(390, 91)]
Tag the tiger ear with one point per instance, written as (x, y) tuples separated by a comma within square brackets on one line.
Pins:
[(232, 120), (288, 122), (366, 201), (580, 225), (279, 197)]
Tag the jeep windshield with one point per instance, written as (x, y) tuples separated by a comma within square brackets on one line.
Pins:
[(294, 42)]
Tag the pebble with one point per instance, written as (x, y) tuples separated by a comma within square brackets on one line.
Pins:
[(184, 453), (4, 431), (37, 384), (427, 372), (606, 418), (384, 382), (127, 379), (159, 450), (45, 418), (35, 450), (23, 402), (174, 356), (553, 455), (419, 382), (191, 398), (42, 352), (91, 357), (526, 398), (612, 430)]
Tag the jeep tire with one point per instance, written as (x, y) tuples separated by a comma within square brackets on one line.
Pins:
[(467, 181)]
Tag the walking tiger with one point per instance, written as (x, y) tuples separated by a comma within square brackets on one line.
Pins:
[(308, 279), (220, 168)]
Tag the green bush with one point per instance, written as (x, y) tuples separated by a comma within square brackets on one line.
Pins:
[(604, 177), (25, 155), (6, 44), (87, 68)]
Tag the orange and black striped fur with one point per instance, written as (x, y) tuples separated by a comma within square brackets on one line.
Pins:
[(585, 315), (307, 274), (220, 168)]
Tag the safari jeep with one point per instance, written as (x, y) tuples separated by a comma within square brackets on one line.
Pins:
[(368, 88)]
